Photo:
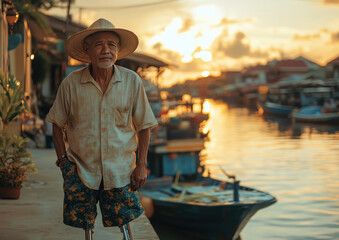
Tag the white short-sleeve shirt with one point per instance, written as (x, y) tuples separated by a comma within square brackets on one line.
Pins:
[(102, 127)]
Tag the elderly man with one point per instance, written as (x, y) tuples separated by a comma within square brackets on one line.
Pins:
[(107, 116)]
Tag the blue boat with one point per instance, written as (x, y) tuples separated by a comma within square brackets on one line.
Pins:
[(314, 114)]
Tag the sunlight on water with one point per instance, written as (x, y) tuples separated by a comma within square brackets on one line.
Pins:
[(206, 107), (297, 163)]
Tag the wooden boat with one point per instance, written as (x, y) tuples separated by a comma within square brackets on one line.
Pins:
[(200, 207), (270, 108), (313, 114), (206, 211)]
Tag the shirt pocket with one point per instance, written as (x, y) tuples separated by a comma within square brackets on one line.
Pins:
[(121, 117)]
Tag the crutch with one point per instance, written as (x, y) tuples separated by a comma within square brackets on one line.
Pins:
[(89, 234), (126, 231)]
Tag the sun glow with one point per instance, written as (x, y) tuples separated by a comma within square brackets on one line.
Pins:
[(172, 39), (205, 130), (209, 12), (206, 56), (205, 73), (186, 59), (186, 98), (191, 40), (206, 107)]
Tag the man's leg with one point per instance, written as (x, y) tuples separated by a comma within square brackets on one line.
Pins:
[(119, 206), (79, 201)]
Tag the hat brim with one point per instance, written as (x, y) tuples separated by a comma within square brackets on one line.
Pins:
[(74, 44)]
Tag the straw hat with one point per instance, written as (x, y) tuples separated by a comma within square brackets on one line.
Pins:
[(74, 44)]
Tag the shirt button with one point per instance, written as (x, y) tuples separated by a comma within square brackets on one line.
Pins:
[(103, 130)]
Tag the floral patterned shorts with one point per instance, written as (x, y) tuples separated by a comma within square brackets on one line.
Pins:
[(118, 206)]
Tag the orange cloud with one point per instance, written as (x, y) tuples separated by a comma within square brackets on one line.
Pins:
[(193, 66), (226, 21), (237, 48), (331, 2), (196, 64), (187, 24), (335, 37), (306, 37), (169, 55)]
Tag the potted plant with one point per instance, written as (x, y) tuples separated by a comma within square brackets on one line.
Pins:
[(14, 157)]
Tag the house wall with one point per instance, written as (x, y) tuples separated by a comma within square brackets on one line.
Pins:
[(336, 71), (3, 43), (19, 65), (20, 62), (262, 77), (28, 68)]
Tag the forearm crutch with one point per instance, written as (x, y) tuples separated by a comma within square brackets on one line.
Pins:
[(126, 231), (89, 234)]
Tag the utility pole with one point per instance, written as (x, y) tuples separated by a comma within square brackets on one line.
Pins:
[(67, 19), (65, 62), (80, 14)]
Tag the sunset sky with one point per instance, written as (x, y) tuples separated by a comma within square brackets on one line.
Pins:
[(220, 35)]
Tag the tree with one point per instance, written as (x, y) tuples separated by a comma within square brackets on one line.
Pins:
[(30, 10)]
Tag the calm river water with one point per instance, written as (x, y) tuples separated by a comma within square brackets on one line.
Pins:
[(297, 163)]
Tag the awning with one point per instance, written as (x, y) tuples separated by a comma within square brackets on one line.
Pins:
[(147, 60)]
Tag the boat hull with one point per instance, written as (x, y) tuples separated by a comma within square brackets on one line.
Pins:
[(313, 114), (274, 109), (319, 119), (202, 222)]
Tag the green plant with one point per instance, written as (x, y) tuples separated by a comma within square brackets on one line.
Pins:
[(30, 10), (14, 161), (14, 157), (12, 100)]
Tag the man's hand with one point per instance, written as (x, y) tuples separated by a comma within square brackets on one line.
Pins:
[(138, 177)]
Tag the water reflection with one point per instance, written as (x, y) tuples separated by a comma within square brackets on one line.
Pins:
[(298, 163), (285, 125)]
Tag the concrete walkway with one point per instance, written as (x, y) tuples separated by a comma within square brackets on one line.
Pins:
[(37, 215)]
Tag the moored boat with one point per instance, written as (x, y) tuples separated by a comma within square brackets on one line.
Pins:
[(200, 207), (275, 109), (207, 208), (314, 114)]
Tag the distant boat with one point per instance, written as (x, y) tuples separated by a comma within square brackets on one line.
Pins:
[(275, 109), (284, 97), (313, 114)]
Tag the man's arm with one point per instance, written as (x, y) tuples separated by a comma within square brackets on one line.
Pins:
[(139, 175), (59, 141)]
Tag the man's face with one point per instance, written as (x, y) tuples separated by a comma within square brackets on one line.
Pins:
[(102, 49)]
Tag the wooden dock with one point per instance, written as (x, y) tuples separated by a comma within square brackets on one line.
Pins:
[(38, 212)]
